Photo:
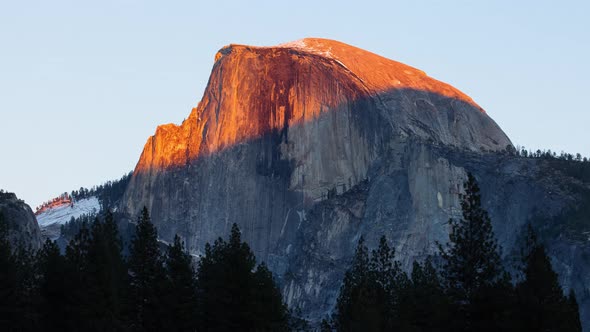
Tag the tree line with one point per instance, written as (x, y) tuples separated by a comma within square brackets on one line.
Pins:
[(521, 151), (463, 288), (107, 194), (94, 287)]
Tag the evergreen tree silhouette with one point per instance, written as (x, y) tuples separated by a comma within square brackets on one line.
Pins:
[(107, 275), (232, 295), (147, 278), (426, 298), (181, 293), (78, 305), (542, 305), (27, 290), (368, 296), (53, 287), (8, 281), (476, 282)]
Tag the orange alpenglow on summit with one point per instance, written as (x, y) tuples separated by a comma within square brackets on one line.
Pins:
[(255, 90)]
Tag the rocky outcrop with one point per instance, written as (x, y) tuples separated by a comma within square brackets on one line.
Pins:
[(311, 144), (23, 229)]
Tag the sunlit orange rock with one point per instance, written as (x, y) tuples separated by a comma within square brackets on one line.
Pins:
[(54, 203), (253, 90)]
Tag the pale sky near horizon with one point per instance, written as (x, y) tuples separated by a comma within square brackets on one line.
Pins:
[(83, 84)]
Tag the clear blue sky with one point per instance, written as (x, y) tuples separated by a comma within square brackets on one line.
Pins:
[(84, 83)]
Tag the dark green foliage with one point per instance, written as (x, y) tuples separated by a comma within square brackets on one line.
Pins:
[(391, 285), (18, 294), (8, 280), (546, 155), (371, 290), (355, 307), (73, 227), (181, 292), (107, 274), (76, 273), (112, 191), (476, 282), (378, 296), (53, 287), (108, 193), (425, 297), (147, 277), (233, 295), (27, 315), (270, 313), (96, 275), (92, 288), (542, 305)]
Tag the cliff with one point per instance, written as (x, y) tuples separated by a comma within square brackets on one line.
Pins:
[(282, 128), (311, 144)]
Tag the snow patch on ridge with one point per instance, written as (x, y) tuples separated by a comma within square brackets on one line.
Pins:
[(62, 214), (303, 46)]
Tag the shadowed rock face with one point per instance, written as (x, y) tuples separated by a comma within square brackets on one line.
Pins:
[(311, 144), (282, 128), (23, 229)]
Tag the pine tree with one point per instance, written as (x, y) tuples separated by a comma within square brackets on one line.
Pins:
[(365, 302), (391, 287), (267, 302), (426, 298), (231, 296), (18, 292), (476, 282), (147, 277), (107, 275), (28, 296), (181, 303), (78, 305), (53, 287), (541, 302)]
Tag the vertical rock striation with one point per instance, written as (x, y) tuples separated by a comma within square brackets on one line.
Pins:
[(282, 128), (311, 144)]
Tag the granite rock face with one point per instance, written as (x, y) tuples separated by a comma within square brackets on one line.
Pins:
[(282, 128), (410, 197), (23, 229), (311, 144)]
